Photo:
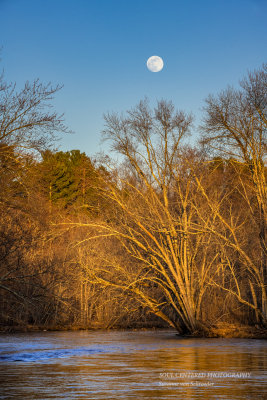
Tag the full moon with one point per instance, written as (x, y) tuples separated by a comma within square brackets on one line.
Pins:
[(155, 64)]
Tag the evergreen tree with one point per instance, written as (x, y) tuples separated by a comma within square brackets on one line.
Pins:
[(69, 179)]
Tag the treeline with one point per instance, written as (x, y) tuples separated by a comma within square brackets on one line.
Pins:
[(173, 235)]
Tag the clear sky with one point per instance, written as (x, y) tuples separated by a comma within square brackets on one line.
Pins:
[(98, 50)]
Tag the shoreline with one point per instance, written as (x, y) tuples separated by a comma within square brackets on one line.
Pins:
[(229, 331)]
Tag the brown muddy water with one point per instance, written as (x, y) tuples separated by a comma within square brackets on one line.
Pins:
[(130, 365)]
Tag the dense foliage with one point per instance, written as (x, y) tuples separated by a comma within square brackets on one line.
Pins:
[(173, 236)]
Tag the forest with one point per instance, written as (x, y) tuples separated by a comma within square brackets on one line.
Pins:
[(160, 232)]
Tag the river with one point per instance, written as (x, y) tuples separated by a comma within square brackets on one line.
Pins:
[(130, 365)]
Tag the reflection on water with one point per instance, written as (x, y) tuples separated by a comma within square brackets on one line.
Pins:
[(130, 365)]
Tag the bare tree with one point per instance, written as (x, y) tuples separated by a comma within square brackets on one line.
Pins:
[(166, 262), (235, 127), (27, 125), (26, 119)]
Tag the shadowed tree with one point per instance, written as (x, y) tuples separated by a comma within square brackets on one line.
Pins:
[(27, 125)]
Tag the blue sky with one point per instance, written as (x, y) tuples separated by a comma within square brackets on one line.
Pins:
[(98, 50)]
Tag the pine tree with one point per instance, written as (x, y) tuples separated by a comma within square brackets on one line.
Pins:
[(69, 179)]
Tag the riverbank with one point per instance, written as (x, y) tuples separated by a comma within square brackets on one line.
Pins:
[(221, 330), (238, 331)]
